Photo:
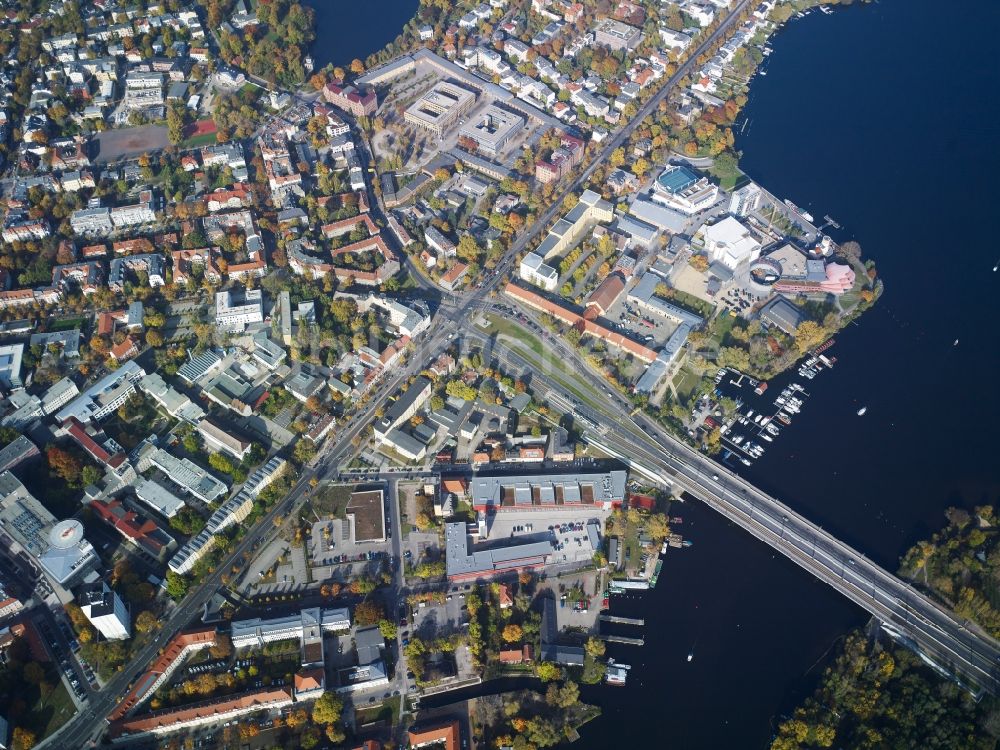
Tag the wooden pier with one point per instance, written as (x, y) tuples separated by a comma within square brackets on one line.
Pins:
[(623, 639), (623, 620)]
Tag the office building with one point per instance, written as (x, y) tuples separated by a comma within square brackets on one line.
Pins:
[(233, 317), (534, 270), (492, 130), (440, 108), (105, 610)]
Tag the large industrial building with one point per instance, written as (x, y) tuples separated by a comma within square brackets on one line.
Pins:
[(465, 564), (547, 492), (440, 108)]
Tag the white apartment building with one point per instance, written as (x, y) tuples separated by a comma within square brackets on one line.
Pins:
[(236, 317), (535, 270)]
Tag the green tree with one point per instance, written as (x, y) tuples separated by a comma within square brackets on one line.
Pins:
[(146, 622), (327, 709), (594, 647), (177, 585), (548, 671), (90, 475)]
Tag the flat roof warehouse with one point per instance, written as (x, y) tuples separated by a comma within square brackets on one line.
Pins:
[(520, 492), (368, 511)]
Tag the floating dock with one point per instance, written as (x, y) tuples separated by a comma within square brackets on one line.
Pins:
[(623, 639), (623, 620)]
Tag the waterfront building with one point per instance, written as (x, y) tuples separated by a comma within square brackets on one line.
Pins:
[(683, 190), (730, 243), (551, 492)]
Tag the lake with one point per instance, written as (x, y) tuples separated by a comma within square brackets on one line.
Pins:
[(346, 29), (859, 119)]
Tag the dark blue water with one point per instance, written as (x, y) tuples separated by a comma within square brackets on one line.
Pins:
[(864, 118), (349, 29)]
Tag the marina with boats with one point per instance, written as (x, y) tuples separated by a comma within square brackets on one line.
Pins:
[(761, 413)]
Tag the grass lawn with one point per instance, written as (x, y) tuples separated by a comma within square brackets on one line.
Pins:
[(633, 550), (206, 139), (66, 324), (464, 511), (685, 382), (728, 178), (719, 330), (331, 499), (386, 712), (692, 303), (47, 715)]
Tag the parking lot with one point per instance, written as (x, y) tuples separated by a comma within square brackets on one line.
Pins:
[(652, 330), (432, 620)]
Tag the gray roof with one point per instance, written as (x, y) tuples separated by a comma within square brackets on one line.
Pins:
[(568, 655), (782, 313), (463, 562), (645, 293), (368, 642), (640, 231), (406, 443), (605, 487), (406, 400), (657, 215)]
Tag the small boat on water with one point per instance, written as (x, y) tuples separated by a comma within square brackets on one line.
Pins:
[(615, 673), (862, 410), (676, 519), (768, 438), (687, 543), (745, 462), (691, 655)]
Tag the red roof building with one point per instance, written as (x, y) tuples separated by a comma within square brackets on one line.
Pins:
[(160, 670), (586, 327), (141, 531), (602, 298), (444, 734), (358, 103), (94, 449), (125, 350), (506, 600)]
